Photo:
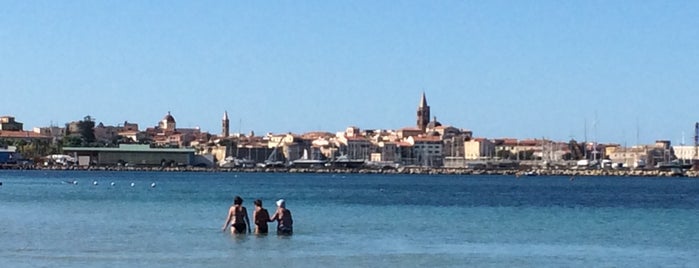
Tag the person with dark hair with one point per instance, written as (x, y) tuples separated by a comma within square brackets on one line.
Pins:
[(261, 218), (237, 217), (283, 217)]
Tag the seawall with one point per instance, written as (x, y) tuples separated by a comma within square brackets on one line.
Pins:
[(401, 170)]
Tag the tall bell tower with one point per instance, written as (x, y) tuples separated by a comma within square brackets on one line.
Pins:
[(423, 113), (225, 125)]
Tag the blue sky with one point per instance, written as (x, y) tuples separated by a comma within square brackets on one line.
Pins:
[(523, 69)]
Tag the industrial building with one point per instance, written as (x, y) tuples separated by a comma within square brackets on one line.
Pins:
[(131, 155)]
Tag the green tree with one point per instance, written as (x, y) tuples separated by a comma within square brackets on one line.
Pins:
[(72, 141), (87, 129)]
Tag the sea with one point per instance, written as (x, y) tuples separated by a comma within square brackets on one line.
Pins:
[(347, 220)]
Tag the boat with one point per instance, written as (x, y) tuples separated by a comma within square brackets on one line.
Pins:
[(673, 165), (232, 162), (271, 161), (531, 173), (306, 162), (244, 162), (344, 162)]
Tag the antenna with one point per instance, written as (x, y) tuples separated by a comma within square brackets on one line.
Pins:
[(682, 141)]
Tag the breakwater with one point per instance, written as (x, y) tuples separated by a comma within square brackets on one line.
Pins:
[(400, 170)]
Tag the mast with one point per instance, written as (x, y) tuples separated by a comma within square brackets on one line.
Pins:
[(696, 141), (585, 141)]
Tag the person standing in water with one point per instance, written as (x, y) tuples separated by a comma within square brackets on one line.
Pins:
[(237, 217), (283, 217), (261, 218)]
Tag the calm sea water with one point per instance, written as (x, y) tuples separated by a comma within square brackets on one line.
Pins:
[(348, 221)]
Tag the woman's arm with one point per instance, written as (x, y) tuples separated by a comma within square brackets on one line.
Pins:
[(228, 220), (274, 217), (254, 216), (245, 217)]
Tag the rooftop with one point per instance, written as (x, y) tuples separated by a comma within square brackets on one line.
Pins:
[(130, 148)]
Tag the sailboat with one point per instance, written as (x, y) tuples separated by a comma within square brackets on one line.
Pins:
[(271, 160)]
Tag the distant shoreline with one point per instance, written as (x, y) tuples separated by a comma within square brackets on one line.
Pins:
[(401, 170)]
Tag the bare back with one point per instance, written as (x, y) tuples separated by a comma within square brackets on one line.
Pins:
[(261, 217), (238, 214)]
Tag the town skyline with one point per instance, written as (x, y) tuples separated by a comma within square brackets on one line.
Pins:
[(228, 128), (623, 71), (235, 127)]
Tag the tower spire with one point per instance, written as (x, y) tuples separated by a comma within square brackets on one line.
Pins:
[(423, 101), (423, 113), (225, 125)]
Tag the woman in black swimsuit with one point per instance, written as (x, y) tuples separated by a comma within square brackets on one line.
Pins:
[(261, 218), (237, 217), (283, 218)]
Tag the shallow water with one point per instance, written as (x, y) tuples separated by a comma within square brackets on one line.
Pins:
[(348, 220)]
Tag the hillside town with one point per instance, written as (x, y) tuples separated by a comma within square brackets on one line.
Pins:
[(427, 144)]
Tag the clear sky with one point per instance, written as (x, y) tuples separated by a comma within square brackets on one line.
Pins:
[(522, 69)]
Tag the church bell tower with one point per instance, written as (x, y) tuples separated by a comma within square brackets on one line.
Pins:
[(423, 113), (225, 125)]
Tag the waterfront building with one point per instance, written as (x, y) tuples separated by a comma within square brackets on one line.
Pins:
[(631, 157), (8, 123), (131, 154), (253, 150), (387, 152), (514, 149), (218, 152), (643, 155), (303, 146), (328, 146), (406, 153), (427, 150), (686, 153), (355, 147), (479, 148)]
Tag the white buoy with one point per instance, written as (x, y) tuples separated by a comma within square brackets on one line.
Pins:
[(133, 184), (112, 184), (94, 183), (152, 185), (75, 182)]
